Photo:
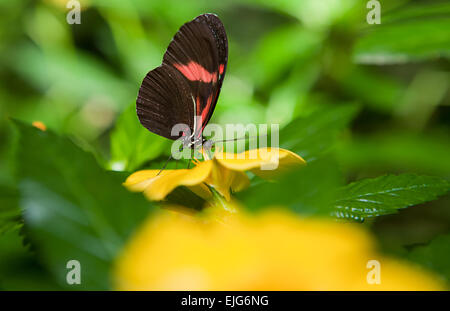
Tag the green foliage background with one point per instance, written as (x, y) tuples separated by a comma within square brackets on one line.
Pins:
[(366, 105)]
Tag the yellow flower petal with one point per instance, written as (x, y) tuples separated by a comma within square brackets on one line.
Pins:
[(140, 180), (163, 184), (274, 250), (264, 162), (223, 179), (224, 172), (239, 181)]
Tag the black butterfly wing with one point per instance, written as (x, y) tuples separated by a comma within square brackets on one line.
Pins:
[(199, 50), (164, 100), (198, 53)]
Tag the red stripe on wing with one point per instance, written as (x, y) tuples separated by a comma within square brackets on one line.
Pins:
[(195, 72)]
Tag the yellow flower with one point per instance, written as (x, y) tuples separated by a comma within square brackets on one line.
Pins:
[(40, 125), (274, 250), (224, 172)]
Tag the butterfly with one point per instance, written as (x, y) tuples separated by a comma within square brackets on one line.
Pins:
[(184, 89)]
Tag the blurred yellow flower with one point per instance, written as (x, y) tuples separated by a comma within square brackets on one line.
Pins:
[(224, 172), (40, 125), (274, 250)]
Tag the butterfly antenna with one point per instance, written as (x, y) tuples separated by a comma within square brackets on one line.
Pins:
[(238, 138), (165, 164)]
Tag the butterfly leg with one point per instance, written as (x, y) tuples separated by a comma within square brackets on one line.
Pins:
[(189, 162), (165, 164)]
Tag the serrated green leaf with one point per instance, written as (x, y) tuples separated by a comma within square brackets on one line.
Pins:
[(387, 194), (19, 267), (10, 217), (73, 209), (434, 256), (132, 144)]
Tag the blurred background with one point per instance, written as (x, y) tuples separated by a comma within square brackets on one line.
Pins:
[(286, 58)]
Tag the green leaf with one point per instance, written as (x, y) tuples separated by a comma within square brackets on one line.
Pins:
[(379, 92), (308, 191), (315, 134), (73, 209), (10, 218), (77, 75), (426, 154), (414, 32), (132, 144), (19, 267), (434, 256), (386, 194), (413, 10), (277, 52)]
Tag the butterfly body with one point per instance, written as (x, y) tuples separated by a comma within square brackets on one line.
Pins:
[(184, 89)]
